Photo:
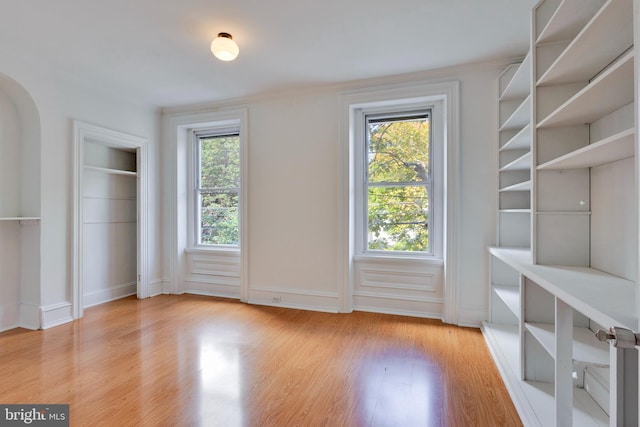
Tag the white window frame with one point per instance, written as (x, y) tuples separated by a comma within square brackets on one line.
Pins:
[(435, 109), (193, 208), (197, 135)]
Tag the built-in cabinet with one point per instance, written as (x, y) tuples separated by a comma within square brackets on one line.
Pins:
[(109, 223), (566, 259)]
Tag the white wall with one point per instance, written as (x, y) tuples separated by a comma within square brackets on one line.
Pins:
[(60, 100), (294, 167)]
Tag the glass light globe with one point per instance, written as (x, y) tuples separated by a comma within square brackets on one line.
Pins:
[(224, 48)]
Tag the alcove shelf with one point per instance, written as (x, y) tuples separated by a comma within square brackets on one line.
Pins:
[(20, 218)]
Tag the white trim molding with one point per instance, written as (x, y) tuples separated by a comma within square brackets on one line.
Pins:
[(111, 294), (448, 93), (298, 299), (56, 314)]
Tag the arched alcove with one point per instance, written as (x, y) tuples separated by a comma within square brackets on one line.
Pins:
[(20, 164)]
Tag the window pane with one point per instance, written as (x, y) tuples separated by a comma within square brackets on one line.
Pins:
[(398, 150), (398, 218), (220, 162), (219, 218)]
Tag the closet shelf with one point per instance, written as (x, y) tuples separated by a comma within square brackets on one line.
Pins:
[(568, 19), (606, 299), (110, 171), (609, 32), (616, 147), (610, 91)]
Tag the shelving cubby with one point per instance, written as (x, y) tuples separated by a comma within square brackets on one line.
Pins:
[(580, 272)]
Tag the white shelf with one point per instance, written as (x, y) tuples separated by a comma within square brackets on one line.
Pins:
[(510, 295), (534, 400), (110, 171), (518, 211), (607, 34), (568, 19), (616, 147), (606, 299), (610, 91), (522, 186), (520, 117), (20, 218), (521, 163), (521, 140), (586, 347), (520, 84), (563, 213)]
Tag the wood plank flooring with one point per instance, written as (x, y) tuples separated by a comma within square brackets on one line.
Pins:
[(200, 361)]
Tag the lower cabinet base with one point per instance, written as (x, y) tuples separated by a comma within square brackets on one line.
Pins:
[(535, 401)]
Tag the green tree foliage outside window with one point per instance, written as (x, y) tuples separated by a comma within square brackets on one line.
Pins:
[(219, 188), (398, 183)]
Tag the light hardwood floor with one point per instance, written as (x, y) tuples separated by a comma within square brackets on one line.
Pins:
[(200, 361)]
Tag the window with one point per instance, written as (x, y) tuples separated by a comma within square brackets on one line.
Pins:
[(217, 186), (398, 179)]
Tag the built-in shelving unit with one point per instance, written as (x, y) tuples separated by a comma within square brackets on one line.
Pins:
[(569, 169), (514, 155)]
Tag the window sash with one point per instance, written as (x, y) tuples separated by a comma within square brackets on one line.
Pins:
[(394, 117), (202, 191)]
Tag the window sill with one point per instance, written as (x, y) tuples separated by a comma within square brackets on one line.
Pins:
[(399, 259), (206, 250)]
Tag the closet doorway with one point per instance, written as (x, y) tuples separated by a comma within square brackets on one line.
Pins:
[(110, 216)]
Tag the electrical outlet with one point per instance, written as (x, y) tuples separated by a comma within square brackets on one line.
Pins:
[(276, 299)]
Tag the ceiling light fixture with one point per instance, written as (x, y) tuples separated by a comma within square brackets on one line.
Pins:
[(224, 48)]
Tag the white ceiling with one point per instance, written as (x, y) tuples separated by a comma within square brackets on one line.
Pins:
[(158, 50)]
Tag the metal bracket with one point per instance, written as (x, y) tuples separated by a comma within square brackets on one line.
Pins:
[(621, 337)]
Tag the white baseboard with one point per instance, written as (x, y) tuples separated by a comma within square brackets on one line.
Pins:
[(56, 314), (301, 300), (105, 295), (156, 287), (472, 316)]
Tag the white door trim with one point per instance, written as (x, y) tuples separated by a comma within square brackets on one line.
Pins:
[(83, 132)]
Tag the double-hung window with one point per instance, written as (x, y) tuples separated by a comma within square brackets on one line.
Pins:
[(217, 186), (398, 181)]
